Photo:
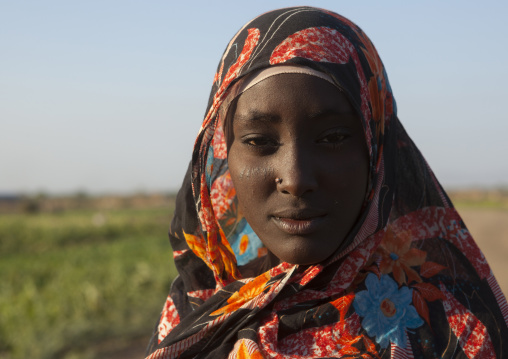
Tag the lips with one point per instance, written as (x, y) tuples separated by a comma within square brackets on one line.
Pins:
[(299, 222)]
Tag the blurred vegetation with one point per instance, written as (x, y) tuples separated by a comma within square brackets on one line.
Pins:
[(74, 279), (86, 277), (478, 198)]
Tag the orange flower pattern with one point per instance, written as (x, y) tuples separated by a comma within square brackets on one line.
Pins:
[(246, 293), (248, 350), (398, 257)]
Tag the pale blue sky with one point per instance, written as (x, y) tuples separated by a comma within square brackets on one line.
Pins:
[(107, 96)]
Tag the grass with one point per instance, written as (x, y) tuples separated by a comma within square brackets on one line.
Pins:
[(484, 204), (73, 280), (79, 281), (493, 199)]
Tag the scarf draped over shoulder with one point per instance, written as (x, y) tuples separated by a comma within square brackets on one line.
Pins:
[(409, 281)]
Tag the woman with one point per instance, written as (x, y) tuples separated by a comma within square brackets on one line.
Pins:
[(309, 224)]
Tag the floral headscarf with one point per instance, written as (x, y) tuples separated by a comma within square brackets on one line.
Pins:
[(409, 280)]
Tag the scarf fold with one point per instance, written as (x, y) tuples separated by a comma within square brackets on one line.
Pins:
[(408, 282)]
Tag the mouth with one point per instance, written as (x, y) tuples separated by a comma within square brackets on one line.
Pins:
[(299, 223)]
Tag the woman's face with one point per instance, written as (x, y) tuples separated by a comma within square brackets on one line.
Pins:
[(302, 130)]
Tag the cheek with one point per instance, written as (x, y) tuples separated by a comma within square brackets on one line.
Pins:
[(350, 172), (252, 181), (354, 166), (246, 173), (251, 194), (347, 185)]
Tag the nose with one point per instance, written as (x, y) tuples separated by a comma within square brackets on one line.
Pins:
[(296, 174)]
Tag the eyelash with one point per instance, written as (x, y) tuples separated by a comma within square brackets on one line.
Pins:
[(261, 144), (255, 141), (333, 139)]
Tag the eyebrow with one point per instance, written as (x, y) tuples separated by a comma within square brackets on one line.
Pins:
[(330, 112), (256, 116), (259, 116)]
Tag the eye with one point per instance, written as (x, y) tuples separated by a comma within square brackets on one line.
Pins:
[(334, 137), (260, 143)]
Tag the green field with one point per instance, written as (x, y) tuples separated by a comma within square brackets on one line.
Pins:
[(78, 282), (81, 281)]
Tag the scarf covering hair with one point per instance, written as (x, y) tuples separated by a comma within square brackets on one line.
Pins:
[(408, 282)]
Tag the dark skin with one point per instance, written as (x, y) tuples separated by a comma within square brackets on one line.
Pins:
[(303, 130)]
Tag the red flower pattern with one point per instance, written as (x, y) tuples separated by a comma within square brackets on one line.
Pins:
[(222, 194), (472, 334), (320, 44), (169, 319)]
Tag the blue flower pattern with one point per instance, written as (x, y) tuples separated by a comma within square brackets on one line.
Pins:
[(243, 228), (386, 310)]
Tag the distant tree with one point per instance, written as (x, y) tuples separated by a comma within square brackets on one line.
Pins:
[(81, 198), (31, 205)]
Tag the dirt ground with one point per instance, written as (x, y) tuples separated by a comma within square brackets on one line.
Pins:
[(489, 228)]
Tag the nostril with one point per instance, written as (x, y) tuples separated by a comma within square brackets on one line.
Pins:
[(295, 186), (297, 175)]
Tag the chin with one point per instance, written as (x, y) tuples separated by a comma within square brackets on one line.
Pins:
[(302, 250)]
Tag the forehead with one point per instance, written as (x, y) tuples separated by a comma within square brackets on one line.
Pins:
[(289, 91)]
